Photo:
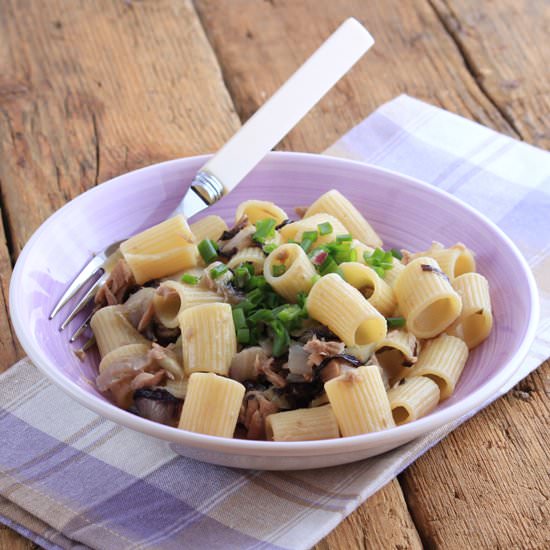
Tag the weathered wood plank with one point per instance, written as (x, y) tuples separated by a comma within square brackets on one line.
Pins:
[(92, 89), (259, 44), (505, 45), (488, 484), (380, 523), (10, 350)]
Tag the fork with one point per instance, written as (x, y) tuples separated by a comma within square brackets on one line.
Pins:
[(240, 154)]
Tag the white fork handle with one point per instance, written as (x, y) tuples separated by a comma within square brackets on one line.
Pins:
[(288, 105)]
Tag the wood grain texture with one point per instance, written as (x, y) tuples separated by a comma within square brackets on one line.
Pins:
[(89, 90), (505, 46), (380, 523), (259, 44), (488, 484)]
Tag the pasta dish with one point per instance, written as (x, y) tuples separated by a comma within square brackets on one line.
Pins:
[(285, 330)]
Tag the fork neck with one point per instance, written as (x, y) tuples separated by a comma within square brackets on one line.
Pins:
[(208, 187)]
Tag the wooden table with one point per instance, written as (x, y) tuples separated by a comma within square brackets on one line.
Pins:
[(89, 90)]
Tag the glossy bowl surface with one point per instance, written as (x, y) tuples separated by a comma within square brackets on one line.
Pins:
[(406, 213)]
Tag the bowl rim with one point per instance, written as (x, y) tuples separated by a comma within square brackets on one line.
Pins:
[(298, 448)]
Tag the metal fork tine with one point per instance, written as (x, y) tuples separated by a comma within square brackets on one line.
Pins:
[(81, 328), (84, 301), (86, 273)]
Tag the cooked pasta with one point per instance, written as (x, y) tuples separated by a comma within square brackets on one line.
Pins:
[(359, 401), (112, 330), (476, 319), (295, 231), (302, 425), (285, 330), (171, 298), (413, 398), (161, 250), (442, 360), (366, 280), (334, 203), (251, 255), (209, 227), (453, 261), (208, 338), (426, 298), (345, 311), (297, 272), (396, 353), (260, 210), (211, 405)]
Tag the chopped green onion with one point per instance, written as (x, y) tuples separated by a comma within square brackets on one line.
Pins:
[(329, 266), (289, 313), (262, 316), (315, 278), (241, 276), (218, 271), (395, 322), (278, 269), (255, 296), (396, 253), (325, 228), (189, 279), (269, 248), (281, 338), (272, 300), (239, 318), (301, 298), (344, 238), (264, 230), (379, 260), (207, 250), (243, 336), (308, 238), (257, 281)]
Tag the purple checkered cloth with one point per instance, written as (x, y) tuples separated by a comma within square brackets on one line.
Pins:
[(71, 479)]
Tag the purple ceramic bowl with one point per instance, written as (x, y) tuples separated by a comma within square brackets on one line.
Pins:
[(405, 212)]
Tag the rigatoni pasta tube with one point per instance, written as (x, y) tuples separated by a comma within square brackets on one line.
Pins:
[(426, 298), (334, 203), (453, 261), (171, 298), (302, 425), (210, 227), (359, 401), (298, 271), (208, 338), (112, 330), (211, 405), (396, 353), (413, 398), (160, 250), (256, 210), (345, 311), (476, 317), (391, 275), (442, 360), (252, 255), (294, 231), (371, 285)]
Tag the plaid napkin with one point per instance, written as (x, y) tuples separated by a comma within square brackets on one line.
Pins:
[(70, 479)]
